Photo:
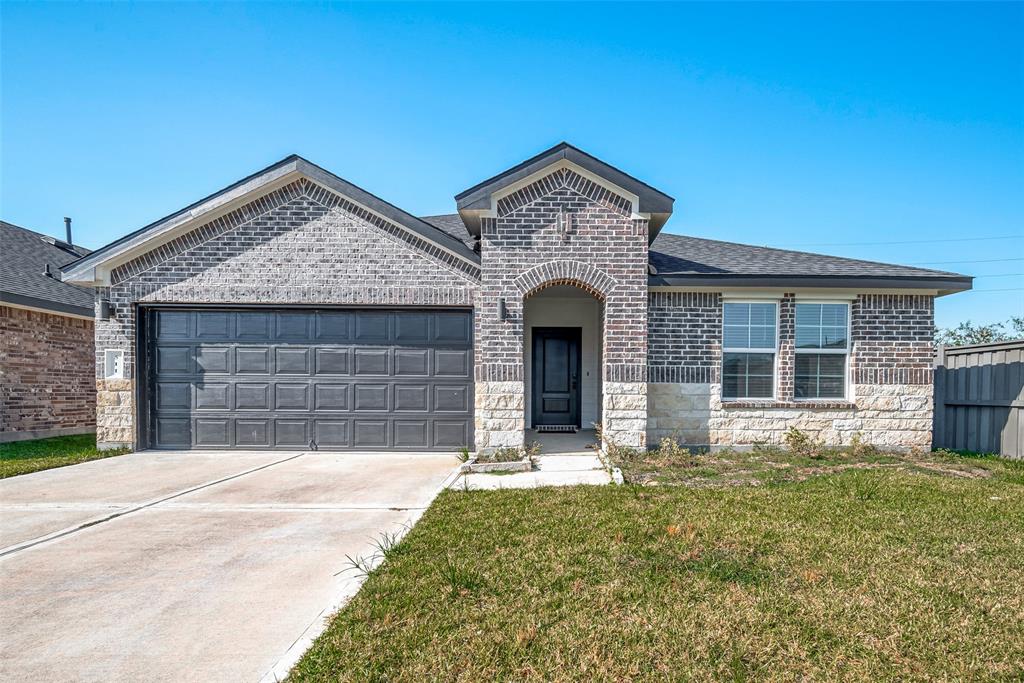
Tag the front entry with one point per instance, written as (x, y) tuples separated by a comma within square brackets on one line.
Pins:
[(556, 376)]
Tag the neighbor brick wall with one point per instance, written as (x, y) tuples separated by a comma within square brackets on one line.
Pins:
[(300, 245), (46, 372), (563, 229)]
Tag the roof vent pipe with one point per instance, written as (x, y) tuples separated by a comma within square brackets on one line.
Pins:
[(67, 228)]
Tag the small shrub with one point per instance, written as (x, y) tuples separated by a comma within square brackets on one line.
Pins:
[(802, 443), (859, 448), (670, 453)]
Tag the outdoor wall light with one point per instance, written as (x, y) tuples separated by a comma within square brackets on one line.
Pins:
[(502, 311), (106, 309)]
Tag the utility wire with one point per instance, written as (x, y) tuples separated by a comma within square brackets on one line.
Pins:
[(939, 263), (978, 277), (1008, 289), (871, 244)]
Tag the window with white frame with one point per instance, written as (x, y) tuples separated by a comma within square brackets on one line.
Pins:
[(822, 349), (748, 349)]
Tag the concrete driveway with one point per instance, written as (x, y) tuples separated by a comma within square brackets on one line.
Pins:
[(191, 566)]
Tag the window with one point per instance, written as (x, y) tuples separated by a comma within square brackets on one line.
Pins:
[(822, 346), (748, 350)]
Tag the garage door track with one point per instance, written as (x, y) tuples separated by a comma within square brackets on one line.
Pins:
[(191, 566)]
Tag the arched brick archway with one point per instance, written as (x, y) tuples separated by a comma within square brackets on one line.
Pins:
[(592, 280)]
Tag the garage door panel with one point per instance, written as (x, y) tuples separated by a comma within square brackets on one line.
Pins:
[(212, 432), (332, 361), (210, 396), (337, 379), (331, 397), (176, 360), (370, 433), (412, 362), (252, 360), (252, 433), (213, 359), (252, 396), (291, 361)]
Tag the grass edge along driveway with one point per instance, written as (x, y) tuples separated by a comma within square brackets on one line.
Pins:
[(23, 457), (859, 574)]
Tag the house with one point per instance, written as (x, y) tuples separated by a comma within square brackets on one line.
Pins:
[(296, 310), (47, 363)]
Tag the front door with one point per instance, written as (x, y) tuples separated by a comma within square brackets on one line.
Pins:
[(556, 376)]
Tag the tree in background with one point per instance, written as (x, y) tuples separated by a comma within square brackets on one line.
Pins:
[(968, 333)]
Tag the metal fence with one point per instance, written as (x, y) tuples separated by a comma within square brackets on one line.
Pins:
[(979, 398)]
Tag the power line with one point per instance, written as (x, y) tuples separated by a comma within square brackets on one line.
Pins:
[(978, 277), (939, 263), (871, 244), (1008, 289)]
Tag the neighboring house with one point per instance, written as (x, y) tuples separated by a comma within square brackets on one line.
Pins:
[(47, 361), (295, 310)]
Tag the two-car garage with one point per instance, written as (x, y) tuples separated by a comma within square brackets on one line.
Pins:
[(302, 378)]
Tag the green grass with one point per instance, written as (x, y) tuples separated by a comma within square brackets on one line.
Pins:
[(907, 572), (23, 457)]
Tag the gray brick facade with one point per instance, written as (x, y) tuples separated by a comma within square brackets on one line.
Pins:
[(562, 229), (657, 358), (299, 245)]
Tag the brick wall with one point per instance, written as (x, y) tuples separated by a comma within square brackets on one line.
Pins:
[(889, 401), (46, 374), (562, 229), (299, 245)]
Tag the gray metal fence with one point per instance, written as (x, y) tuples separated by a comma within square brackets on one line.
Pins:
[(979, 398)]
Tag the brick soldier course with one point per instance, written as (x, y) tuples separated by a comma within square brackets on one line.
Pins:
[(295, 235)]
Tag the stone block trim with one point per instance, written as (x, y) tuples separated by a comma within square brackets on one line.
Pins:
[(299, 252), (498, 415), (684, 332), (46, 375)]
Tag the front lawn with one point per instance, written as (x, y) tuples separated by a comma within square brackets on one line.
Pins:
[(894, 572), (22, 457)]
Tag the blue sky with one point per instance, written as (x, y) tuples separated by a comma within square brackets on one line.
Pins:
[(818, 127)]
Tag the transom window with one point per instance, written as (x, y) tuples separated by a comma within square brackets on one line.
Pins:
[(822, 349), (748, 350)]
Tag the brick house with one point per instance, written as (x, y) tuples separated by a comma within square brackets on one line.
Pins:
[(47, 383), (296, 310)]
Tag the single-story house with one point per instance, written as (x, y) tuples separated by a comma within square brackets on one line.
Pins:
[(47, 361), (293, 309)]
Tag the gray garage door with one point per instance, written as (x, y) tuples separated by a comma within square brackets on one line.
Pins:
[(296, 379)]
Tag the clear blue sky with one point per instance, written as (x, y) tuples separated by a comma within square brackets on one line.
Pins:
[(805, 126)]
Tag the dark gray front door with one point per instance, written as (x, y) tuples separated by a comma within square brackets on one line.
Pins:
[(304, 378), (556, 376)]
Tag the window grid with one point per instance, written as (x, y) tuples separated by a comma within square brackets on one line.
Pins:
[(749, 349), (822, 334)]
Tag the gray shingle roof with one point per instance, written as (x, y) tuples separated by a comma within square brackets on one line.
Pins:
[(452, 224), (689, 259), (24, 254)]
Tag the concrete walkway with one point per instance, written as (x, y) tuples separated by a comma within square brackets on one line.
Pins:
[(566, 459), (166, 566)]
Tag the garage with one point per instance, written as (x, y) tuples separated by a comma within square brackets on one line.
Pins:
[(331, 379)]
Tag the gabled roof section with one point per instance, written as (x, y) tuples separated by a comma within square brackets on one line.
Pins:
[(480, 200), (95, 268), (697, 262), (23, 278)]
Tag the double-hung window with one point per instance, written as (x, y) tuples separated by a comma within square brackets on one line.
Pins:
[(748, 350), (822, 347)]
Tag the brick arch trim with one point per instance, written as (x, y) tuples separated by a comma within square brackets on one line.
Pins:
[(576, 273)]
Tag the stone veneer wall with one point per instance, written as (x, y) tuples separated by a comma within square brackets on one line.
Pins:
[(46, 381), (890, 403), (562, 229), (301, 244)]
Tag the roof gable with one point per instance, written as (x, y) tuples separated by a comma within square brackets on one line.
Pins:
[(481, 200), (95, 268)]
